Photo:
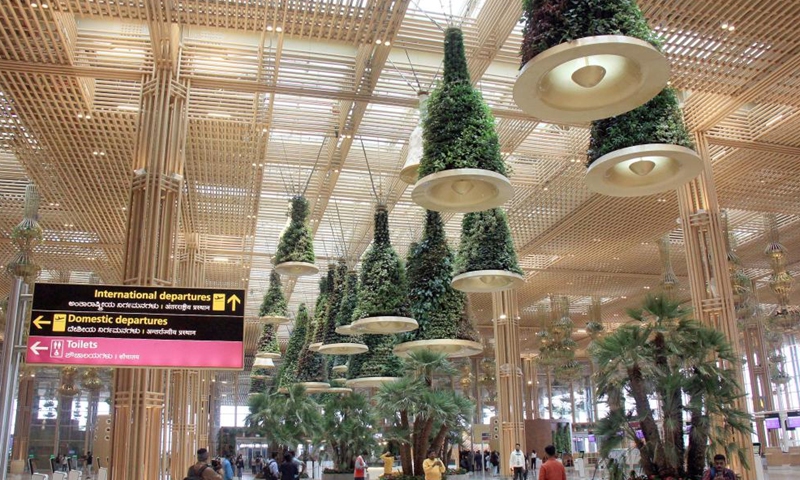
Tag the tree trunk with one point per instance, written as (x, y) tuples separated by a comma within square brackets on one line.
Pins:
[(405, 447), (421, 443), (698, 444), (672, 463), (438, 440), (652, 448)]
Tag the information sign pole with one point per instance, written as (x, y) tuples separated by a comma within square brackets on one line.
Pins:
[(9, 370)]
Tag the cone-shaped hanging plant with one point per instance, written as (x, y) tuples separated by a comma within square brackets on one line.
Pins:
[(268, 343), (379, 361), (435, 305), (323, 306), (312, 366), (347, 295), (459, 133), (642, 152), (334, 343), (584, 59), (258, 381), (274, 307), (286, 374), (486, 246), (465, 329), (296, 245), (383, 289)]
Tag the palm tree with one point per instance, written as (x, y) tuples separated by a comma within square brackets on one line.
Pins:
[(285, 419), (348, 427), (666, 355), (420, 412)]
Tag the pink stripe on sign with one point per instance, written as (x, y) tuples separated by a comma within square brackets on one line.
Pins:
[(121, 352)]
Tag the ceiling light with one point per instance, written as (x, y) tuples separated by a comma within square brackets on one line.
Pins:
[(387, 43), (731, 28), (220, 259), (269, 28), (279, 29), (378, 42), (724, 25), (34, 5), (218, 115)]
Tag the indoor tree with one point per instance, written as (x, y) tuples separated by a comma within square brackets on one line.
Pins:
[(665, 354), (422, 408), (348, 428), (285, 419), (286, 373)]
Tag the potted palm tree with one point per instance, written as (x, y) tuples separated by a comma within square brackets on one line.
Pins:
[(285, 420), (645, 151), (664, 354), (334, 343), (274, 309), (422, 410), (295, 254), (585, 60), (461, 168), (348, 429), (435, 304), (286, 373), (486, 261)]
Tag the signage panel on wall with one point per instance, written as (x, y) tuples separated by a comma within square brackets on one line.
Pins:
[(129, 326)]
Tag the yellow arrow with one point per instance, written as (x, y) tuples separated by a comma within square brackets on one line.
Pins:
[(39, 322), (233, 300)]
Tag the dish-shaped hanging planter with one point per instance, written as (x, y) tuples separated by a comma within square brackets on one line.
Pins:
[(462, 190), (370, 382), (314, 347), (273, 320), (343, 349), (296, 269), (487, 281), (590, 78), (315, 387), (643, 170), (268, 355), (263, 363), (384, 325), (453, 348), (339, 369), (346, 330), (339, 390)]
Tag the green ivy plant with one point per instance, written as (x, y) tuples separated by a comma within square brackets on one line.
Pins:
[(465, 329), (258, 385), (313, 366), (459, 128), (274, 303), (296, 243), (336, 302), (658, 121), (323, 306), (435, 305), (486, 243), (345, 316), (549, 23), (286, 373), (383, 288), (268, 342)]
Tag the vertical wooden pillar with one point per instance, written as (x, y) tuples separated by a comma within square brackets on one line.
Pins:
[(530, 373), (710, 284), (24, 416), (509, 374), (139, 394)]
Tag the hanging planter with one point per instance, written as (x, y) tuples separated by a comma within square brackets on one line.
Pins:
[(295, 255), (435, 305), (342, 303), (321, 308), (461, 168), (486, 260), (410, 171), (382, 305), (297, 338), (268, 343), (584, 60), (642, 152), (274, 310)]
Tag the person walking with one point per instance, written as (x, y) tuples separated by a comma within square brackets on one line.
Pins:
[(719, 471), (516, 462), (552, 469), (360, 467), (201, 469), (533, 460), (239, 466), (433, 466), (289, 469)]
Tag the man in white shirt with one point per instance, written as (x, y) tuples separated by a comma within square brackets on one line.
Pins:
[(517, 463)]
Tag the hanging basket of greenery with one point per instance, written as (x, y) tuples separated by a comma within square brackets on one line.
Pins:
[(274, 309), (382, 306), (486, 260), (286, 374), (295, 255), (461, 168), (584, 60), (312, 368), (268, 343), (435, 304), (645, 151), (258, 380), (341, 304), (321, 308)]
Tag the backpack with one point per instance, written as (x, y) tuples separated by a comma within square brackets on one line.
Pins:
[(194, 474), (268, 475)]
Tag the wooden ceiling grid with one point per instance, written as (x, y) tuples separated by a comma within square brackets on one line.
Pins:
[(271, 80)]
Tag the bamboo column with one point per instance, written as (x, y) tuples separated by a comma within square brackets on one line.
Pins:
[(710, 284), (530, 371), (509, 374), (139, 393), (24, 416)]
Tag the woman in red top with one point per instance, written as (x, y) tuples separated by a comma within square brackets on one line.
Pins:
[(552, 469), (360, 468)]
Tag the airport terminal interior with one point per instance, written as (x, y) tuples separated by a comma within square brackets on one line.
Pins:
[(215, 210)]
